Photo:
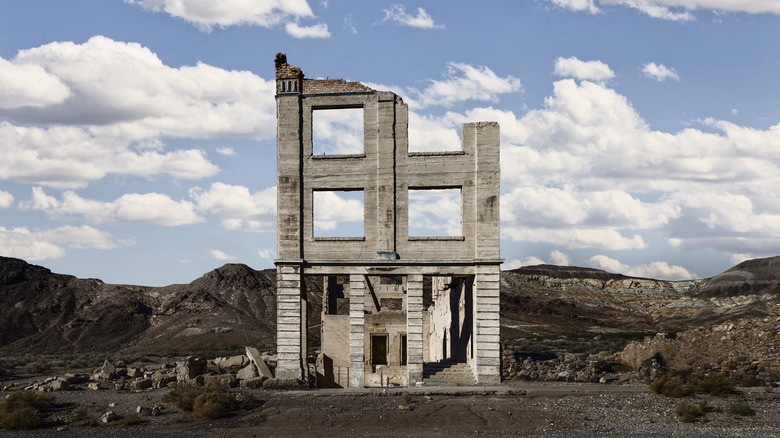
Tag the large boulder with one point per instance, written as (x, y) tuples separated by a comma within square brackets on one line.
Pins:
[(190, 368), (256, 359)]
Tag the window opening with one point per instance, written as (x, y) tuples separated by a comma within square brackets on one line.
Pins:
[(403, 349), (379, 349), (337, 131), (435, 212), (338, 213)]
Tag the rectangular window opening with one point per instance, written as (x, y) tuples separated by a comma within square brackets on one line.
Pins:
[(435, 212), (403, 349), (379, 349), (338, 213), (427, 134), (337, 131)]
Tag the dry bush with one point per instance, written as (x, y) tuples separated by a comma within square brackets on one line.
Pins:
[(669, 386), (206, 402), (35, 368), (740, 408), (690, 413), (713, 383), (183, 395), (21, 410), (213, 405)]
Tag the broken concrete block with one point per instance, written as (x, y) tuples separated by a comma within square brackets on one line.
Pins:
[(141, 383), (253, 383), (255, 357), (190, 368), (247, 372)]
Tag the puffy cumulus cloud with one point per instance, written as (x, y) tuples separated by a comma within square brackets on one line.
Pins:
[(29, 85), (659, 72), (319, 30), (519, 263), (132, 208), (584, 70), (462, 82), (333, 208), (70, 157), (674, 10), (337, 131), (205, 14), (656, 270), (48, 244), (560, 258), (6, 199), (236, 207), (435, 212), (118, 83), (398, 14), (217, 254), (122, 100)]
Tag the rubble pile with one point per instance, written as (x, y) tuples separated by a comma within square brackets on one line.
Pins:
[(746, 347), (585, 368), (248, 370)]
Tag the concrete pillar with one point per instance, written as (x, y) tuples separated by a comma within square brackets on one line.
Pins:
[(290, 319), (357, 331), (414, 328), (487, 345)]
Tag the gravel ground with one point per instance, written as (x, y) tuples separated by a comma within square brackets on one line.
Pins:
[(509, 410)]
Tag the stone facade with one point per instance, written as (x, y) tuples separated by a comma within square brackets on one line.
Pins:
[(380, 306)]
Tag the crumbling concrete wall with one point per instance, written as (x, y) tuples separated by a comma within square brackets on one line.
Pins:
[(385, 172)]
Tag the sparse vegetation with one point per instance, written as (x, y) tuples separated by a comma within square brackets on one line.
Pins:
[(689, 412), (740, 408), (670, 386), (21, 410), (35, 368), (205, 402), (713, 383)]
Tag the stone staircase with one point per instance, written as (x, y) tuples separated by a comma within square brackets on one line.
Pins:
[(447, 374)]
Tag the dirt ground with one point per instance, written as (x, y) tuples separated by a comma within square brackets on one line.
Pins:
[(518, 410)]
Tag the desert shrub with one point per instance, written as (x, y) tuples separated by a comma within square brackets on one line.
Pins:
[(688, 412), (669, 386), (212, 405), (35, 368), (745, 380), (205, 402), (740, 408), (714, 383), (183, 395), (407, 398), (21, 410), (23, 419)]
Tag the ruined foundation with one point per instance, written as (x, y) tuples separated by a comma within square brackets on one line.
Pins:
[(394, 304)]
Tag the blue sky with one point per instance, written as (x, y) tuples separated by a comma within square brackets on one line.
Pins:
[(641, 137)]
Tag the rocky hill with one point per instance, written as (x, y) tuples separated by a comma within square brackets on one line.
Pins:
[(544, 309)]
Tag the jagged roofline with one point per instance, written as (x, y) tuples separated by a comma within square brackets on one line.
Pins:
[(285, 71)]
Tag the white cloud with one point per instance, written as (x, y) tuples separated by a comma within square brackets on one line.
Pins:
[(123, 99), (577, 5), (266, 253), (654, 270), (659, 72), (332, 208), (661, 8), (132, 208), (462, 82), (583, 70), (560, 258), (217, 254), (422, 20), (518, 263), (6, 199), (319, 30), (435, 212), (237, 207), (29, 85), (226, 150), (205, 14), (47, 244), (337, 131)]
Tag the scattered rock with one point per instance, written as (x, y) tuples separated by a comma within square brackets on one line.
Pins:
[(109, 417)]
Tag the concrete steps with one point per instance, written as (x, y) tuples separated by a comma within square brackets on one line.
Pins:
[(447, 374)]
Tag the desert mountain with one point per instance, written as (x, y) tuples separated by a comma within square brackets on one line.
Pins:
[(47, 313)]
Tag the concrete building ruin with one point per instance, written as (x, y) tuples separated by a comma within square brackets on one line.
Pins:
[(395, 306)]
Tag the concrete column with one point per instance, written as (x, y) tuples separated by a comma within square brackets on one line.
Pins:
[(487, 346), (357, 331), (414, 328), (289, 321)]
